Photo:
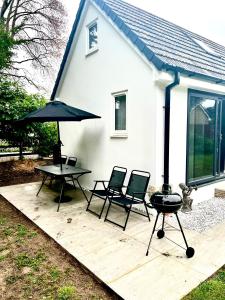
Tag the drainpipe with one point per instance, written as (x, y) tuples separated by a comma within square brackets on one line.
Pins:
[(166, 186)]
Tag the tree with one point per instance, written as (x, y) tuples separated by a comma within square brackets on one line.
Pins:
[(37, 27), (15, 102), (6, 45)]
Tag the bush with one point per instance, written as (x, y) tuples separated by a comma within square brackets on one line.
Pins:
[(15, 103)]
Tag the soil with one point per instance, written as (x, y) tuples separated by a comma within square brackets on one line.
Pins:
[(34, 266), (20, 171)]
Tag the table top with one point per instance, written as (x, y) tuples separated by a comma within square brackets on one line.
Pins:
[(66, 170)]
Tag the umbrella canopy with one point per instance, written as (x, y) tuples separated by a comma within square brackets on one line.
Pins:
[(58, 111)]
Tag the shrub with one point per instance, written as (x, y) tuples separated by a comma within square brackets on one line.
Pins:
[(15, 103)]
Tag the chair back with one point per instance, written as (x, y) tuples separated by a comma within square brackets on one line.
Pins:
[(138, 183), (117, 178), (72, 161), (63, 159)]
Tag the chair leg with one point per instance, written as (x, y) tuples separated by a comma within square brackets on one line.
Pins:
[(73, 183), (147, 211), (156, 220), (103, 206), (128, 214), (89, 202), (110, 203)]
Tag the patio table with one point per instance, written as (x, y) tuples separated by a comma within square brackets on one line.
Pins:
[(67, 171)]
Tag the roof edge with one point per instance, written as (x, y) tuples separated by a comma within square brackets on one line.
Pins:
[(133, 37), (68, 47), (135, 40), (168, 68)]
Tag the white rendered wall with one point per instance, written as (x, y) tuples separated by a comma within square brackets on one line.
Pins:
[(88, 84)]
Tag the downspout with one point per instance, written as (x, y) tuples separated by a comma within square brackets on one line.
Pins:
[(166, 186)]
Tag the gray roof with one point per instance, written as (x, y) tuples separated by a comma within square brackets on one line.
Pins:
[(168, 46), (172, 45)]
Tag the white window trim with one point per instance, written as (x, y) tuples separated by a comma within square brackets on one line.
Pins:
[(94, 49), (118, 133)]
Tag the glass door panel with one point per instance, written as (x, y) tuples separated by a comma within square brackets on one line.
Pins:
[(222, 139), (201, 137)]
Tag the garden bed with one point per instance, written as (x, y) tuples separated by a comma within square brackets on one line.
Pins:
[(20, 171), (32, 265)]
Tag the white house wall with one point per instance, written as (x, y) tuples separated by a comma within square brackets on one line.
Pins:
[(88, 83)]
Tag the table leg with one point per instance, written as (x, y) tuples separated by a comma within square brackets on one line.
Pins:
[(61, 194), (43, 182), (81, 187)]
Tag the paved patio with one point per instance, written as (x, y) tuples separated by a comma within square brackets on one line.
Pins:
[(117, 257)]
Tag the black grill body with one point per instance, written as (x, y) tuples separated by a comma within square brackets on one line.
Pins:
[(167, 202)]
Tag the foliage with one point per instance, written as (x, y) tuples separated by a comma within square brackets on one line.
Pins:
[(15, 102), (6, 45), (66, 293), (212, 289), (34, 262), (37, 27)]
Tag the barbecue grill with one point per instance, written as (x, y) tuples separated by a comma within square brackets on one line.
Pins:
[(167, 202)]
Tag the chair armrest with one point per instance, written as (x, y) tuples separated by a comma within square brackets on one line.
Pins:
[(149, 205), (139, 193), (101, 180)]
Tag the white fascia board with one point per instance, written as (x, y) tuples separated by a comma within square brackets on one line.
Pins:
[(164, 78)]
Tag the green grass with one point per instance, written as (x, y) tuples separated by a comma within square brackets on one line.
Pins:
[(34, 262), (66, 293), (211, 289), (2, 220)]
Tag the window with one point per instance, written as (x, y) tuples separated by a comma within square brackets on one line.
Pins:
[(92, 39), (119, 115), (120, 112), (206, 137), (206, 47)]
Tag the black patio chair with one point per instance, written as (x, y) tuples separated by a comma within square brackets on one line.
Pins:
[(113, 188), (135, 194), (71, 162), (63, 159), (57, 161)]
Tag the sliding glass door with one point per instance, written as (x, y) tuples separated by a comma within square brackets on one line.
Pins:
[(205, 142)]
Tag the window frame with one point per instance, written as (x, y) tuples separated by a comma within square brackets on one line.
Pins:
[(215, 177), (118, 133), (94, 49)]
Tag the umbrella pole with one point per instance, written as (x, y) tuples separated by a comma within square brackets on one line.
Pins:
[(59, 143)]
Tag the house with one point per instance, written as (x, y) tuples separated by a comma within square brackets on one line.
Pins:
[(160, 91)]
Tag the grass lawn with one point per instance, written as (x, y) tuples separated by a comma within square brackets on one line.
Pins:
[(211, 289)]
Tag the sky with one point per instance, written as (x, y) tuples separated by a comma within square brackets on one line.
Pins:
[(206, 18)]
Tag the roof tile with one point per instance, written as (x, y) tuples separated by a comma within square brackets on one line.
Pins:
[(165, 44)]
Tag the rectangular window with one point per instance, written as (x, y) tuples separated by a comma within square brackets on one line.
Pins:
[(119, 115), (120, 112), (205, 161), (92, 36)]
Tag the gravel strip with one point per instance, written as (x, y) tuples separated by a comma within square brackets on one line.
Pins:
[(203, 216)]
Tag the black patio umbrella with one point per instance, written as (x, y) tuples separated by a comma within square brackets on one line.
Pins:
[(56, 111)]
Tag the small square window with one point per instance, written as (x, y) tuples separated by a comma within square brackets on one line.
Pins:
[(92, 37)]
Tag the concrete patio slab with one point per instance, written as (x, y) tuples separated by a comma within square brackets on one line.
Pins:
[(117, 257)]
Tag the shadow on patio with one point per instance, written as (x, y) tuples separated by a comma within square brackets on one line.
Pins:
[(116, 257)]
